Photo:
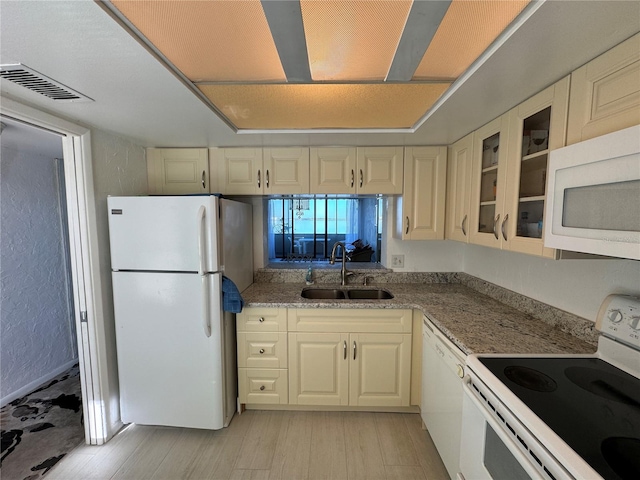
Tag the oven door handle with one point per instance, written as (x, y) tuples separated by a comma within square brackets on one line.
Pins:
[(509, 442)]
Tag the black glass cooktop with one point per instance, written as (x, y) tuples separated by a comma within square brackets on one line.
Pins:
[(593, 406)]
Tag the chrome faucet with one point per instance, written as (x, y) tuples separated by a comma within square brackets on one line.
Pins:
[(344, 273)]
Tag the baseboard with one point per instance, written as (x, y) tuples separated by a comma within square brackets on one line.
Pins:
[(30, 387)]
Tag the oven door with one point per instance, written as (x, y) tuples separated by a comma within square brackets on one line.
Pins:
[(490, 451)]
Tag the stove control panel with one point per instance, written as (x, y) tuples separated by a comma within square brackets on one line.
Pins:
[(619, 318)]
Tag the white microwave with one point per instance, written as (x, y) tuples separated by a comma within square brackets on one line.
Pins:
[(593, 196)]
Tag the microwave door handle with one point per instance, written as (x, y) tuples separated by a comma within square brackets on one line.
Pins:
[(508, 442)]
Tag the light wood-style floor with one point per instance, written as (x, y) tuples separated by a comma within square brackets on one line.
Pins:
[(266, 445)]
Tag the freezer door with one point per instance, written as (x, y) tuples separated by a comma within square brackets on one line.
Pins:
[(170, 353), (171, 234)]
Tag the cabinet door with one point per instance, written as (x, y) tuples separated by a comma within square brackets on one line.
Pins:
[(333, 169), (423, 198), (177, 171), (286, 170), (459, 163), (240, 170), (488, 177), (605, 93), (379, 170), (536, 127), (380, 370), (318, 369)]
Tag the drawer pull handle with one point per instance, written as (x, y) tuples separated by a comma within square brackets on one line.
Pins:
[(261, 319), (261, 351), (262, 387)]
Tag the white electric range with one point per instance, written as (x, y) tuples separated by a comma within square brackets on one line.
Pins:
[(558, 417)]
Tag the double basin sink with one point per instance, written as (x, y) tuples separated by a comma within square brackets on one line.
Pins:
[(346, 294)]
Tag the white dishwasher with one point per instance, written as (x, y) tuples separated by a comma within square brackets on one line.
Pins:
[(441, 409)]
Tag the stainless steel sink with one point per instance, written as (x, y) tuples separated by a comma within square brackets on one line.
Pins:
[(369, 294), (323, 293), (337, 294)]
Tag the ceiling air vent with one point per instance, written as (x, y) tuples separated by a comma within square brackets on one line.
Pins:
[(36, 82)]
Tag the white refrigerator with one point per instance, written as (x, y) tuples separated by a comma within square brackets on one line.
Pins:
[(175, 345)]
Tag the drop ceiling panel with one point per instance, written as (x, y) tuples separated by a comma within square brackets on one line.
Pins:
[(317, 106), (352, 40), (209, 40), (466, 31)]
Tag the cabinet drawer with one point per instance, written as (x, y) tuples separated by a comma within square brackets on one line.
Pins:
[(262, 320), (349, 320), (268, 386), (262, 350)]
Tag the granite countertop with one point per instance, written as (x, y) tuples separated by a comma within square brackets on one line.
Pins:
[(475, 322)]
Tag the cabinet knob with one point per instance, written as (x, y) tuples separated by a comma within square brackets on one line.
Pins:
[(261, 387), (261, 319), (261, 351)]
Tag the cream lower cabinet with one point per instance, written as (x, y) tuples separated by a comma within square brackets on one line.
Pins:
[(262, 356), (367, 362)]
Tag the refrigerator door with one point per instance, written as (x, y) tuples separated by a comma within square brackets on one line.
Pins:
[(171, 234), (236, 241), (170, 366)]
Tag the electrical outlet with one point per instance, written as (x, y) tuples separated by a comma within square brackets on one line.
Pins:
[(397, 261)]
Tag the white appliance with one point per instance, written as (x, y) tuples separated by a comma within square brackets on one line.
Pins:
[(594, 196), (441, 405), (175, 345), (558, 417)]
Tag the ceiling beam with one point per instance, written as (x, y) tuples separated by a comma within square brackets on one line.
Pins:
[(285, 21), (422, 23)]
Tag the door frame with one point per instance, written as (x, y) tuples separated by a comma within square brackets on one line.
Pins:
[(85, 266)]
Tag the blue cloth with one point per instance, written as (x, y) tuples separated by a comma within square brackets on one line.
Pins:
[(231, 299)]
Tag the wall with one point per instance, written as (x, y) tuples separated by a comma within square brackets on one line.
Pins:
[(119, 168), (419, 255), (36, 313), (576, 286)]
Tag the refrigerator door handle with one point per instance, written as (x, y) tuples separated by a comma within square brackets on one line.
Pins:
[(206, 314), (202, 247)]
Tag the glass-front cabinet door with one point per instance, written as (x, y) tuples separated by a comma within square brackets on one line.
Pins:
[(488, 182), (537, 126)]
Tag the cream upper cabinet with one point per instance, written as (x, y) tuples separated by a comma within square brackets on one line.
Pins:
[(177, 171), (333, 169), (362, 170), (508, 179), (536, 127), (605, 93), (422, 208), (459, 164), (488, 177), (379, 170), (286, 170), (254, 171), (239, 170)]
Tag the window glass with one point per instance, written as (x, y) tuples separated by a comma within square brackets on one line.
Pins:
[(306, 228)]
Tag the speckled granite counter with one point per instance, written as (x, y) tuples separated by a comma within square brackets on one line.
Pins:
[(474, 321)]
